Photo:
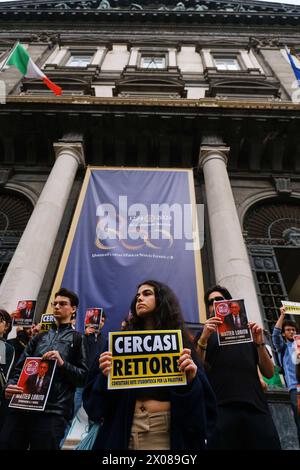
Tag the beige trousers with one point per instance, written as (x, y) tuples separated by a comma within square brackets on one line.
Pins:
[(150, 431)]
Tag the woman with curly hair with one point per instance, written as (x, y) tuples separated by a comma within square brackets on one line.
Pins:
[(170, 417)]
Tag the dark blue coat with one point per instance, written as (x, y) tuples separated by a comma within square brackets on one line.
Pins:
[(193, 413)]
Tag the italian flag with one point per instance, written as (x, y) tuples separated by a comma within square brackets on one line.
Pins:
[(20, 58)]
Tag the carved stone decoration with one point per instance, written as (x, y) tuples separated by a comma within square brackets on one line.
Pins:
[(201, 7), (63, 5), (86, 5), (206, 6), (292, 236), (180, 6), (230, 7), (135, 6), (213, 140), (104, 5), (258, 43), (5, 175), (283, 185), (50, 39)]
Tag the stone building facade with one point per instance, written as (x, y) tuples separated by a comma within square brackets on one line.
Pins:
[(193, 84)]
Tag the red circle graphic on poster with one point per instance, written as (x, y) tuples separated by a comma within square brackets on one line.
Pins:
[(31, 367), (223, 309)]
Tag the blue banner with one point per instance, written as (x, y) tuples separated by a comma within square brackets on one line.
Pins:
[(131, 225)]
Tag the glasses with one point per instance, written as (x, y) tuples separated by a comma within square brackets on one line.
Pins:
[(214, 299), (61, 303)]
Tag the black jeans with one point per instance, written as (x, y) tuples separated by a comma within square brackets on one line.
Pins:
[(242, 427), (24, 430)]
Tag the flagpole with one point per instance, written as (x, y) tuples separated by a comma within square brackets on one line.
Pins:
[(9, 56)]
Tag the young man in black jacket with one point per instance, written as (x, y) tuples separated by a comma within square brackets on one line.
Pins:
[(25, 429)]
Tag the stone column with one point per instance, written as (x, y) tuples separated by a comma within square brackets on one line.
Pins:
[(231, 262), (27, 268)]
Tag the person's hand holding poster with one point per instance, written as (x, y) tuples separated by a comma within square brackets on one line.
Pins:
[(293, 308), (145, 359), (47, 320), (93, 317), (23, 315), (35, 380), (234, 328)]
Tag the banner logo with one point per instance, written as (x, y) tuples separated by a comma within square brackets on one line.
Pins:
[(137, 225)]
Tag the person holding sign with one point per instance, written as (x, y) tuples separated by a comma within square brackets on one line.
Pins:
[(27, 311), (23, 315), (166, 417), (94, 317), (283, 339), (43, 430), (39, 382), (244, 420)]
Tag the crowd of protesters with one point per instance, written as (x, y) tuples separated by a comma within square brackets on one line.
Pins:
[(222, 406)]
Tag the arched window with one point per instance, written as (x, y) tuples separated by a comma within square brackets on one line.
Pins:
[(272, 234), (15, 211)]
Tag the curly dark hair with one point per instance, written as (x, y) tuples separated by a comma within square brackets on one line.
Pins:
[(226, 294), (167, 314), (291, 323)]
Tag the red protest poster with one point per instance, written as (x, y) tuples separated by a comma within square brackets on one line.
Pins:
[(35, 379), (93, 317), (24, 313), (234, 328)]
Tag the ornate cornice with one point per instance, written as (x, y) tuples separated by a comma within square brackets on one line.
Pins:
[(152, 102), (233, 6), (187, 10)]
